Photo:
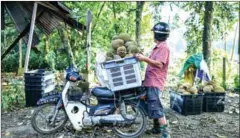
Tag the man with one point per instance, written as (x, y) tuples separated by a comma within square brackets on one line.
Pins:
[(155, 77)]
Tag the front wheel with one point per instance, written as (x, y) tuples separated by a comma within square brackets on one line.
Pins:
[(138, 124), (48, 119)]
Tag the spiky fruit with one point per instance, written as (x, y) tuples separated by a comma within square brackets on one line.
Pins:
[(185, 86), (192, 90), (124, 36), (115, 37), (133, 49), (83, 85), (181, 90), (116, 57), (109, 58), (129, 55), (208, 88), (130, 43), (121, 51), (218, 89), (110, 53), (117, 43)]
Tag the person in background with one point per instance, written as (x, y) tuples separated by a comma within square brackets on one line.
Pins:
[(155, 77)]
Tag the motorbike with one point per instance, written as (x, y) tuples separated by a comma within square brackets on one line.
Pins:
[(121, 110)]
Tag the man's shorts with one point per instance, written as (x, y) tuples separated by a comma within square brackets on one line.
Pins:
[(155, 108)]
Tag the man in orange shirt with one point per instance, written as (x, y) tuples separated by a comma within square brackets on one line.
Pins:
[(155, 77)]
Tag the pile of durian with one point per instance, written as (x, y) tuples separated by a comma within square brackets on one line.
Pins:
[(122, 46), (206, 87), (187, 89), (211, 86)]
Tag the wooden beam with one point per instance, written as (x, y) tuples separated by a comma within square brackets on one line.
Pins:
[(30, 37), (23, 33)]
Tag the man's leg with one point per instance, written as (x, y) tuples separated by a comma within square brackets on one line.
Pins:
[(165, 132)]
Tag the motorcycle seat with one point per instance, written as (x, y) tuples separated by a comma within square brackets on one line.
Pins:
[(102, 92)]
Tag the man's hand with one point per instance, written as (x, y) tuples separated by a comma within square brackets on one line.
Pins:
[(141, 57), (152, 62)]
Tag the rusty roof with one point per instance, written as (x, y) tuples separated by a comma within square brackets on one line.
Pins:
[(49, 16)]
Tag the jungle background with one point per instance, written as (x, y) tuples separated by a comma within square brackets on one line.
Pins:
[(211, 28)]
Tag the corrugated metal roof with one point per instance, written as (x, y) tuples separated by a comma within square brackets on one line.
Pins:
[(49, 15)]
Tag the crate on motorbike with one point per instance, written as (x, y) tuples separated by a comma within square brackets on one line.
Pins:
[(37, 83), (213, 102), (186, 104), (123, 73)]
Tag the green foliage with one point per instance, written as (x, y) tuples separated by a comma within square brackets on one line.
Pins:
[(225, 15), (13, 95), (10, 62), (237, 81)]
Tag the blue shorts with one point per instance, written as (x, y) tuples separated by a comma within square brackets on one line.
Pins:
[(155, 108)]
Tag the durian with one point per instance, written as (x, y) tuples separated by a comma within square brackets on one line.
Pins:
[(124, 36), (208, 88), (133, 49), (218, 89), (117, 43), (115, 37), (130, 43), (121, 51), (116, 57), (192, 90)]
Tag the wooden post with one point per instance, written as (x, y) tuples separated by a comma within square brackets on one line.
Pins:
[(20, 68), (20, 53), (224, 72), (30, 37)]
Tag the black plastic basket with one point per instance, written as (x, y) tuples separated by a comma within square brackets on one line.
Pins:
[(37, 73), (37, 82), (32, 97), (186, 104), (213, 102)]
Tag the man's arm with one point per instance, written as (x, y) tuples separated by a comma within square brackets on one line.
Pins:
[(149, 61)]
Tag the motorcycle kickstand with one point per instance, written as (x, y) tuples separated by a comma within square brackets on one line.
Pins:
[(94, 131)]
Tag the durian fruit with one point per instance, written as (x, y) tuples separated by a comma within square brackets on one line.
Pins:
[(84, 85), (130, 43), (133, 49), (117, 43), (186, 93), (185, 86), (208, 88), (129, 55), (124, 36), (180, 90), (115, 37), (109, 58), (200, 87), (121, 51), (116, 57), (218, 89), (192, 90), (110, 53)]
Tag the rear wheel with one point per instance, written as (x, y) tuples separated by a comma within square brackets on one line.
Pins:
[(137, 125), (47, 119)]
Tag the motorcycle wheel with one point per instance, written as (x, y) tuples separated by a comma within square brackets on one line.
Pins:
[(127, 131), (41, 119)]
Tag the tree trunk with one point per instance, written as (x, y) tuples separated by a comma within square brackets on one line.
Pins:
[(207, 31), (115, 18), (98, 15), (138, 21)]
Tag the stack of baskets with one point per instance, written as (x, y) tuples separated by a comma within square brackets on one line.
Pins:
[(37, 84)]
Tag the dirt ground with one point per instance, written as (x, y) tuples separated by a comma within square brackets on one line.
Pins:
[(206, 125)]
